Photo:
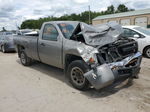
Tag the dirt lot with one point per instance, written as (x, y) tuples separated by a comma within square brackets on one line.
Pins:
[(42, 88)]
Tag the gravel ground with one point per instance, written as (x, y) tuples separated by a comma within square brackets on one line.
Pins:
[(42, 88)]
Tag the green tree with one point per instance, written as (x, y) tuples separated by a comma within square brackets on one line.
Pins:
[(110, 9), (122, 8)]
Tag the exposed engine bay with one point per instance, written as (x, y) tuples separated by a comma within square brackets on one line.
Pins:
[(117, 51)]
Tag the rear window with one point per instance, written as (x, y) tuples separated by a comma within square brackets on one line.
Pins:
[(8, 33), (143, 30)]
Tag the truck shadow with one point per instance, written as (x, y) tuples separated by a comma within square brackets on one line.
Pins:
[(109, 90), (49, 70), (91, 93)]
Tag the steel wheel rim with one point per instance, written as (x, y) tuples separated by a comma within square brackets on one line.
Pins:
[(148, 52), (77, 76), (23, 60)]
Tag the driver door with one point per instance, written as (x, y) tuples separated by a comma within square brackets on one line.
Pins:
[(50, 46)]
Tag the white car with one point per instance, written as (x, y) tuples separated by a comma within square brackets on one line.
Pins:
[(141, 35), (23, 31), (33, 33)]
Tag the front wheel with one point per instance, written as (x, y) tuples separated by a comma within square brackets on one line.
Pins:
[(75, 74), (25, 60), (147, 52)]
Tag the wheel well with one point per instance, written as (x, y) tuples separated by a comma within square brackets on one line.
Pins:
[(70, 58), (19, 49), (145, 48), (2, 45)]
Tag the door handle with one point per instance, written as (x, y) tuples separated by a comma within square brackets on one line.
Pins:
[(42, 44)]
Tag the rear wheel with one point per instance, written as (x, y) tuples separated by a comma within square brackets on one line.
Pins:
[(147, 52), (25, 60), (75, 73), (3, 49)]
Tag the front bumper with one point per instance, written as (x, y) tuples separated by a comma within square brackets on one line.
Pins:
[(104, 75)]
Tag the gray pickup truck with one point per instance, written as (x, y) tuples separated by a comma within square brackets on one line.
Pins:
[(91, 56)]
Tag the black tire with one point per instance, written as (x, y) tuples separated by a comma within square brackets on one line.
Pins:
[(147, 52), (25, 60), (3, 49), (83, 68)]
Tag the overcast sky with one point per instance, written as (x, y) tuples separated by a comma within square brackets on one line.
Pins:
[(13, 12)]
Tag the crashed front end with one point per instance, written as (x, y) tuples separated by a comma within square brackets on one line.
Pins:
[(111, 62), (109, 56), (113, 59)]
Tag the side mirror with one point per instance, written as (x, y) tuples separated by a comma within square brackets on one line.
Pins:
[(136, 36)]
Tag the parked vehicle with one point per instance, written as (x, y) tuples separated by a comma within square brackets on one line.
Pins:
[(23, 31), (141, 35), (33, 33), (88, 56), (6, 42)]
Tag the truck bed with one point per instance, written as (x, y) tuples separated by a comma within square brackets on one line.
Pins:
[(29, 43)]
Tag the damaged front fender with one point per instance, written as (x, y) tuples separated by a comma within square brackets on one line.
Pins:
[(80, 49)]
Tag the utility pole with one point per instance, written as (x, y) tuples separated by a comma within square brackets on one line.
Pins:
[(89, 14)]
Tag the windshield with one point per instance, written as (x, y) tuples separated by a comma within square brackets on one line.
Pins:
[(67, 29), (142, 30)]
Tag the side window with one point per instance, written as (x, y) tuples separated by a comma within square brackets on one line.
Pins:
[(129, 33), (50, 33)]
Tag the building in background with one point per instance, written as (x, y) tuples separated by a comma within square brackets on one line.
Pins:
[(139, 17)]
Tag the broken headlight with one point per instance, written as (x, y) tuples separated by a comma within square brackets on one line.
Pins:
[(88, 54)]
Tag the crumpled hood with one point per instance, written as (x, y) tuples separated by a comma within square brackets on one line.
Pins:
[(101, 34)]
